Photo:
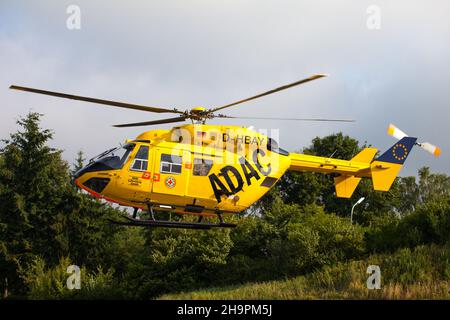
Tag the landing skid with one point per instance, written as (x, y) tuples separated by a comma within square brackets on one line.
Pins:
[(171, 224)]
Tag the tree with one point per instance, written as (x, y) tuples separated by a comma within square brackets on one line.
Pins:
[(41, 214), (336, 146), (179, 259), (432, 186), (79, 162), (31, 176), (409, 192)]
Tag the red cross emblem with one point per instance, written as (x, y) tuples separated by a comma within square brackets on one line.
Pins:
[(170, 182)]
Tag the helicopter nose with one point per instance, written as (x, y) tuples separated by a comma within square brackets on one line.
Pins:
[(94, 185), (91, 167), (78, 174), (90, 182), (82, 171)]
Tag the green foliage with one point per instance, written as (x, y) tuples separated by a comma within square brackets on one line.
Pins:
[(250, 258), (421, 273), (51, 283), (79, 162), (329, 239), (83, 226), (41, 214), (125, 250), (179, 259), (31, 176), (430, 223), (337, 146), (291, 240)]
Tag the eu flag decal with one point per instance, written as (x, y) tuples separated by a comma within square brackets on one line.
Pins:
[(399, 151)]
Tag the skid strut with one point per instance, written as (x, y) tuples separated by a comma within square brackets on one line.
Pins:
[(150, 210), (153, 223), (129, 221)]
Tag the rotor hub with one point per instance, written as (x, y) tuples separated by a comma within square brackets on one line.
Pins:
[(198, 110)]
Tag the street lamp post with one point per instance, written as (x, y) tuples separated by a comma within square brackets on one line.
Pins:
[(357, 202)]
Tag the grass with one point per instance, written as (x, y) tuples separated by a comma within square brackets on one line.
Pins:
[(420, 273)]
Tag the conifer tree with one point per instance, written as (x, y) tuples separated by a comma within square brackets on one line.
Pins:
[(31, 177), (41, 214), (79, 162)]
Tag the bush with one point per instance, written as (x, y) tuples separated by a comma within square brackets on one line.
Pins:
[(321, 239), (421, 264), (290, 240), (178, 259), (430, 223), (50, 283)]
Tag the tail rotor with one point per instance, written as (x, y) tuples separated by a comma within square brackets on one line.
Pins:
[(399, 134)]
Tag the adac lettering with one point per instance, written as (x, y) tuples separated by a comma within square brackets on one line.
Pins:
[(250, 175), (255, 158)]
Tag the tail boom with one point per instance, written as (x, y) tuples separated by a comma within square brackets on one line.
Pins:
[(383, 170), (303, 162)]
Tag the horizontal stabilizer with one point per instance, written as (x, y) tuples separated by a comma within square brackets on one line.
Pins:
[(345, 185)]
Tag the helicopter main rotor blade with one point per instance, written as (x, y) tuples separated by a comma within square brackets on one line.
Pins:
[(149, 123), (99, 101), (295, 119), (287, 86)]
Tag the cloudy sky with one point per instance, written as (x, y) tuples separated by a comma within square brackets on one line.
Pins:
[(179, 53)]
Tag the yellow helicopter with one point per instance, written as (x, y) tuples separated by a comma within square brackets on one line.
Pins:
[(211, 170)]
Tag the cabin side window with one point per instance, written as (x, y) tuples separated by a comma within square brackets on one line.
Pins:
[(170, 164), (202, 167), (140, 162)]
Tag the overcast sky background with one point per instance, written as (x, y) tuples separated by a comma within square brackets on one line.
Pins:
[(178, 53)]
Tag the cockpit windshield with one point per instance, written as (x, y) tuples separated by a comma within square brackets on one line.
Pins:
[(114, 158)]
